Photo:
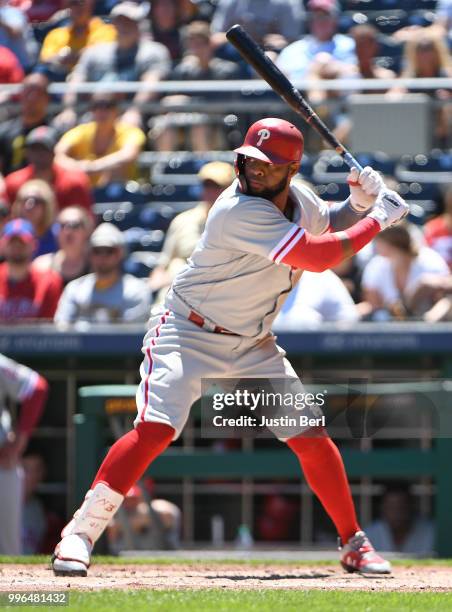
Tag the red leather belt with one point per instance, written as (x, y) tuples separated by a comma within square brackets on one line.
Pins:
[(198, 320)]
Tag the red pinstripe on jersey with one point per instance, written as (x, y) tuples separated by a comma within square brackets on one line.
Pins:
[(151, 362)]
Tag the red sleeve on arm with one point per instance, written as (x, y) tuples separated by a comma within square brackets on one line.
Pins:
[(32, 407), (318, 253)]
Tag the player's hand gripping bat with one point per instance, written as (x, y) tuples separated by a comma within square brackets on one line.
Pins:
[(255, 56)]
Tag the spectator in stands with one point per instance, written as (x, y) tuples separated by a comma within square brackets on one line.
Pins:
[(130, 58), (330, 104), (367, 47), (34, 520), (400, 529), (26, 387), (323, 37), (26, 294), (438, 231), (36, 202), (166, 24), (444, 17), (105, 148), (280, 23), (185, 230), (427, 56), (144, 524), (4, 216), (107, 295), (72, 186), (199, 63), (38, 10), (315, 299), (401, 263), (16, 34), (34, 104), (10, 72), (62, 46), (74, 227)]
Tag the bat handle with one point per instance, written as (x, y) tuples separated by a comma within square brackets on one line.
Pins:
[(350, 160)]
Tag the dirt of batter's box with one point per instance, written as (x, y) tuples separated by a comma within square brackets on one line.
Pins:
[(226, 576)]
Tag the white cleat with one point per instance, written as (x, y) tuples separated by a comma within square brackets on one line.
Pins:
[(72, 556)]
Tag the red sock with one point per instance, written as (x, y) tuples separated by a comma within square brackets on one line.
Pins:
[(324, 471), (129, 456)]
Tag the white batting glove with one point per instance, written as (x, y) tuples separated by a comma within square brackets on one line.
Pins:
[(389, 208), (364, 188)]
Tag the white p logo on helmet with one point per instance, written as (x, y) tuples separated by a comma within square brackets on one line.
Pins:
[(263, 134)]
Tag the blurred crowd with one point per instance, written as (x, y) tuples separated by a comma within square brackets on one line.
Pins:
[(70, 249)]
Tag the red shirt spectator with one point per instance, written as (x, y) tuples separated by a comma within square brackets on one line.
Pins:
[(438, 235), (38, 10), (25, 293), (10, 69), (71, 187)]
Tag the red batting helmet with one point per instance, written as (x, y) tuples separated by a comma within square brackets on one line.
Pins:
[(274, 141)]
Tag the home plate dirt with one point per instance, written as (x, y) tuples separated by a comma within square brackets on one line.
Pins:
[(225, 576)]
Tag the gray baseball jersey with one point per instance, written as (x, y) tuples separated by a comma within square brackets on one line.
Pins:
[(235, 278), (17, 382)]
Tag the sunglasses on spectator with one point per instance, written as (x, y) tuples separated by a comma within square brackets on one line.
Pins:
[(71, 225), (103, 105), (30, 202), (104, 251)]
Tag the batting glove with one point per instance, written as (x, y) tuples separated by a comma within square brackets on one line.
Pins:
[(389, 208), (364, 188)]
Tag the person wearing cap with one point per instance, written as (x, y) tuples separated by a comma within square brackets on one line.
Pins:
[(62, 46), (186, 229), (71, 187), (260, 235), (26, 294), (106, 148), (106, 295), (323, 37), (33, 112), (199, 64), (131, 57)]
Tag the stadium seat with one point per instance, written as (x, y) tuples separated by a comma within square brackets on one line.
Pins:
[(378, 161), (167, 192), (434, 168), (335, 192), (156, 217), (418, 191), (178, 165), (120, 192), (329, 167), (138, 238), (141, 263), (389, 22)]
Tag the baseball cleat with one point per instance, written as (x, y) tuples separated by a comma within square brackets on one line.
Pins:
[(72, 556), (358, 555)]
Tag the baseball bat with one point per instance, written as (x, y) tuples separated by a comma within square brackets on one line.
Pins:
[(263, 65)]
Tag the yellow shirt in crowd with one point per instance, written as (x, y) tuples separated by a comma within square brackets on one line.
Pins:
[(97, 32), (80, 143)]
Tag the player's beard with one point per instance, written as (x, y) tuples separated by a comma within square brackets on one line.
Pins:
[(269, 194)]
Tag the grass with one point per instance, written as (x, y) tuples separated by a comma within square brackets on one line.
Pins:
[(104, 560), (263, 600)]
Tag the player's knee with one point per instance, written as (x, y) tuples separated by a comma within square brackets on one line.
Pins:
[(155, 432)]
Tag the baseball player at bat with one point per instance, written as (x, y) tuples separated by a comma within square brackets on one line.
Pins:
[(261, 233)]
